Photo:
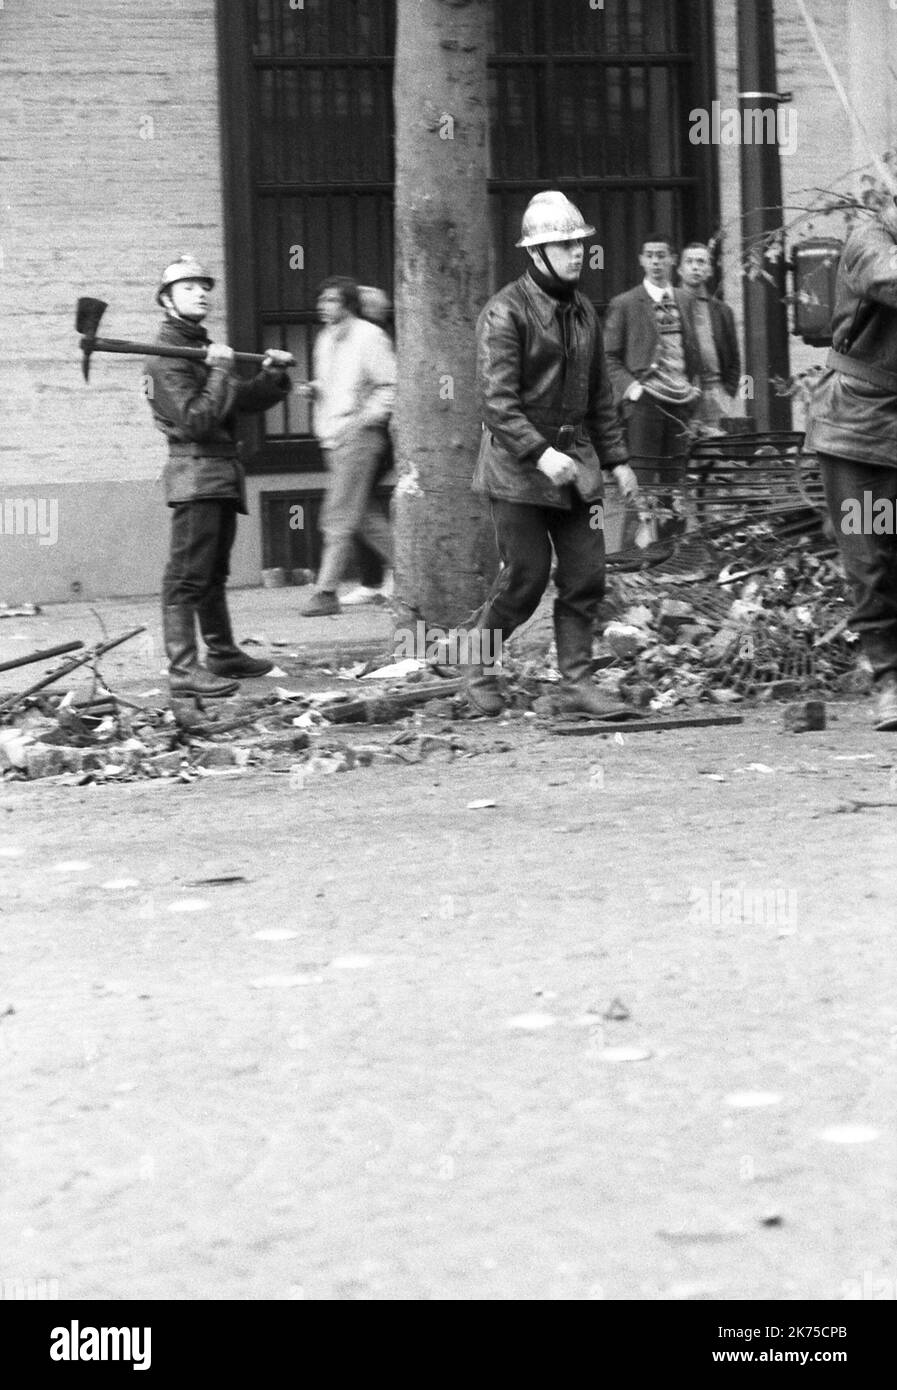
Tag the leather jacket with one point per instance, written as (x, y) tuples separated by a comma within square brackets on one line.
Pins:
[(196, 408), (853, 412), (541, 366)]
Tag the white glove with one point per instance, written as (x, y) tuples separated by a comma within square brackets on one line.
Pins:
[(277, 361), (634, 391), (626, 480), (558, 468), (219, 355)]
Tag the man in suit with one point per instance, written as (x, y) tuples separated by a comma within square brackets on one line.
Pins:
[(654, 365), (714, 325)]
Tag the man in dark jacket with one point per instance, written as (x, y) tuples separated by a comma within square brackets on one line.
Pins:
[(195, 405), (715, 334), (655, 367), (549, 425), (853, 428)]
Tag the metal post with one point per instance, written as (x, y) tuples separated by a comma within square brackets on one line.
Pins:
[(765, 312)]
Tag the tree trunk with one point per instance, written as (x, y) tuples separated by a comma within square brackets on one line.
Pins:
[(445, 554)]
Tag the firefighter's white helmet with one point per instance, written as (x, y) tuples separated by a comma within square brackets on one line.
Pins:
[(552, 217)]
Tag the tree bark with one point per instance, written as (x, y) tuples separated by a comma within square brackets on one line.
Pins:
[(445, 554)]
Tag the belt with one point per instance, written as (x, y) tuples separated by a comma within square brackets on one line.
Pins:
[(192, 449), (566, 435), (862, 371)]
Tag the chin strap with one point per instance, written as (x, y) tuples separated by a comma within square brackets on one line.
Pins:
[(548, 266)]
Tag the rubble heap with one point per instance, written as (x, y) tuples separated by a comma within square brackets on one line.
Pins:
[(751, 615)]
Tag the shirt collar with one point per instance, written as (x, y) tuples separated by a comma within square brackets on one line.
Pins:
[(656, 292)]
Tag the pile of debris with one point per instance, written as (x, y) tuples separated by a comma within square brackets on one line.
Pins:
[(761, 620), (98, 736)]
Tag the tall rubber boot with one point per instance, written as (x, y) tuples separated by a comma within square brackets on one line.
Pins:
[(223, 656), (481, 685), (185, 675), (577, 694)]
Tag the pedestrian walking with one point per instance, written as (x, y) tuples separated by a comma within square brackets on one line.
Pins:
[(549, 426), (353, 392), (196, 404)]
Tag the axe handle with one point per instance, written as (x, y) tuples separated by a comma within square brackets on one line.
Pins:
[(159, 350)]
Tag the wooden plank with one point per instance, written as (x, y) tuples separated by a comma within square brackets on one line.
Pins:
[(647, 726)]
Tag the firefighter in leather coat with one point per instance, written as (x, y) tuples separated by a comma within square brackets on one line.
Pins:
[(195, 404), (549, 427), (852, 427)]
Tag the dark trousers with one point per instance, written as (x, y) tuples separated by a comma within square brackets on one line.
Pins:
[(658, 447), (202, 534), (870, 561), (524, 536), (658, 440)]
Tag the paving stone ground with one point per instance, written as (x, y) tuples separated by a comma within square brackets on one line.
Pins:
[(406, 1088)]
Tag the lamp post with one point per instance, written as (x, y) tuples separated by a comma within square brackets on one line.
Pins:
[(765, 311)]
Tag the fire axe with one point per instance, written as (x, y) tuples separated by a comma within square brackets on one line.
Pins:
[(87, 321)]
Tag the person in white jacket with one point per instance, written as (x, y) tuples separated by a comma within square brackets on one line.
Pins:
[(354, 393)]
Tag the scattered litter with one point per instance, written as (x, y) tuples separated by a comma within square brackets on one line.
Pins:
[(531, 1023), (21, 610), (116, 885), (221, 879), (773, 1219), (759, 767), (683, 1236), (849, 1134), (625, 1054), (189, 905), (286, 981), (14, 748), (283, 694), (616, 1011), (806, 717), (484, 805), (276, 673), (352, 962), (311, 719), (396, 670), (71, 866), (752, 1100)]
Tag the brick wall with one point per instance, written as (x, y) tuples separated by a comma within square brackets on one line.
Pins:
[(111, 167)]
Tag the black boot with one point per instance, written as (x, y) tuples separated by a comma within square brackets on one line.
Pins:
[(886, 702), (481, 684), (577, 693), (185, 675), (223, 656)]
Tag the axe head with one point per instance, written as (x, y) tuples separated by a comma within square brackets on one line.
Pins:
[(87, 321)]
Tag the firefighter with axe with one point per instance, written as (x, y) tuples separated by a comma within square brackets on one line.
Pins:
[(195, 401)]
